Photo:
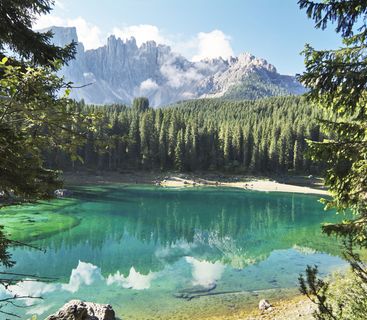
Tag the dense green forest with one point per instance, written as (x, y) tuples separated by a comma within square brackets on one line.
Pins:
[(267, 136)]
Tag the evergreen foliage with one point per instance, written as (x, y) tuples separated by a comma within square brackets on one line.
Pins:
[(266, 136), (32, 113), (255, 87), (337, 80), (16, 34), (33, 116)]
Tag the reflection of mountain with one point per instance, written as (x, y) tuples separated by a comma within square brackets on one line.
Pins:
[(148, 228)]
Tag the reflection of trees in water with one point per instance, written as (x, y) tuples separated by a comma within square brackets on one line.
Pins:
[(164, 217), (128, 226), (10, 279), (5, 257)]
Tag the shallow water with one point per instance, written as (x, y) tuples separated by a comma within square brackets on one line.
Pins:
[(154, 253)]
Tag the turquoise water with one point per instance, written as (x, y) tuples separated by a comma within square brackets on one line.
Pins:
[(155, 253)]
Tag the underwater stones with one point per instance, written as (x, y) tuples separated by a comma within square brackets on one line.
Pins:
[(80, 310), (62, 193), (264, 305)]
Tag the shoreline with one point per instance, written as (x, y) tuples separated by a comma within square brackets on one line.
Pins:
[(291, 184), (290, 308), (251, 184)]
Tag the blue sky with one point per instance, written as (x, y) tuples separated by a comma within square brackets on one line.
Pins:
[(275, 30)]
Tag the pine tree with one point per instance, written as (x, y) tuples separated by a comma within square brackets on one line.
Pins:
[(226, 146), (16, 33), (134, 141), (163, 153), (180, 151), (145, 130), (247, 148), (297, 159), (337, 81), (212, 130), (33, 115), (273, 164), (237, 144), (172, 133), (194, 143), (140, 105)]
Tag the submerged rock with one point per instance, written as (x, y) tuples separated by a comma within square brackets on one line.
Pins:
[(80, 310), (61, 193), (265, 305), (190, 293)]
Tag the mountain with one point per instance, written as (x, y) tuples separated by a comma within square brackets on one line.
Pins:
[(121, 71), (248, 77)]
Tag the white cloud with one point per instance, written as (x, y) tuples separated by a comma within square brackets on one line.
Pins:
[(205, 273), (135, 280), (84, 274), (148, 86), (60, 4), (176, 77), (188, 95), (46, 21), (204, 45), (211, 45), (89, 34), (142, 33)]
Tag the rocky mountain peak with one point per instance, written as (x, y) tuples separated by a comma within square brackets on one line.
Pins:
[(148, 45), (63, 35), (247, 60), (121, 70)]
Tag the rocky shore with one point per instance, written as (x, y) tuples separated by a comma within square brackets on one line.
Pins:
[(298, 307), (294, 308), (81, 310)]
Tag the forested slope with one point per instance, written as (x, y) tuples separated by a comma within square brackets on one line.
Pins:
[(250, 136)]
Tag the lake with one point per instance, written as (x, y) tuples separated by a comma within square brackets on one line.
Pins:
[(161, 253)]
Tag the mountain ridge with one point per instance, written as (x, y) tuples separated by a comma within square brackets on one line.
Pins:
[(121, 70)]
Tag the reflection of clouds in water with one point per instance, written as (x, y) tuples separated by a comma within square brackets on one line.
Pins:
[(240, 261), (178, 249), (39, 309), (84, 274), (304, 250), (135, 280), (29, 288), (205, 273), (232, 253)]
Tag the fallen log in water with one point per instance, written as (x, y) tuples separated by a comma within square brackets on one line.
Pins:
[(200, 291)]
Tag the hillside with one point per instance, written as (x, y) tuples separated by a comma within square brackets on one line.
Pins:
[(266, 135)]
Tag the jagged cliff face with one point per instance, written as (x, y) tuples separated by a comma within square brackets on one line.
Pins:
[(248, 77), (121, 71)]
